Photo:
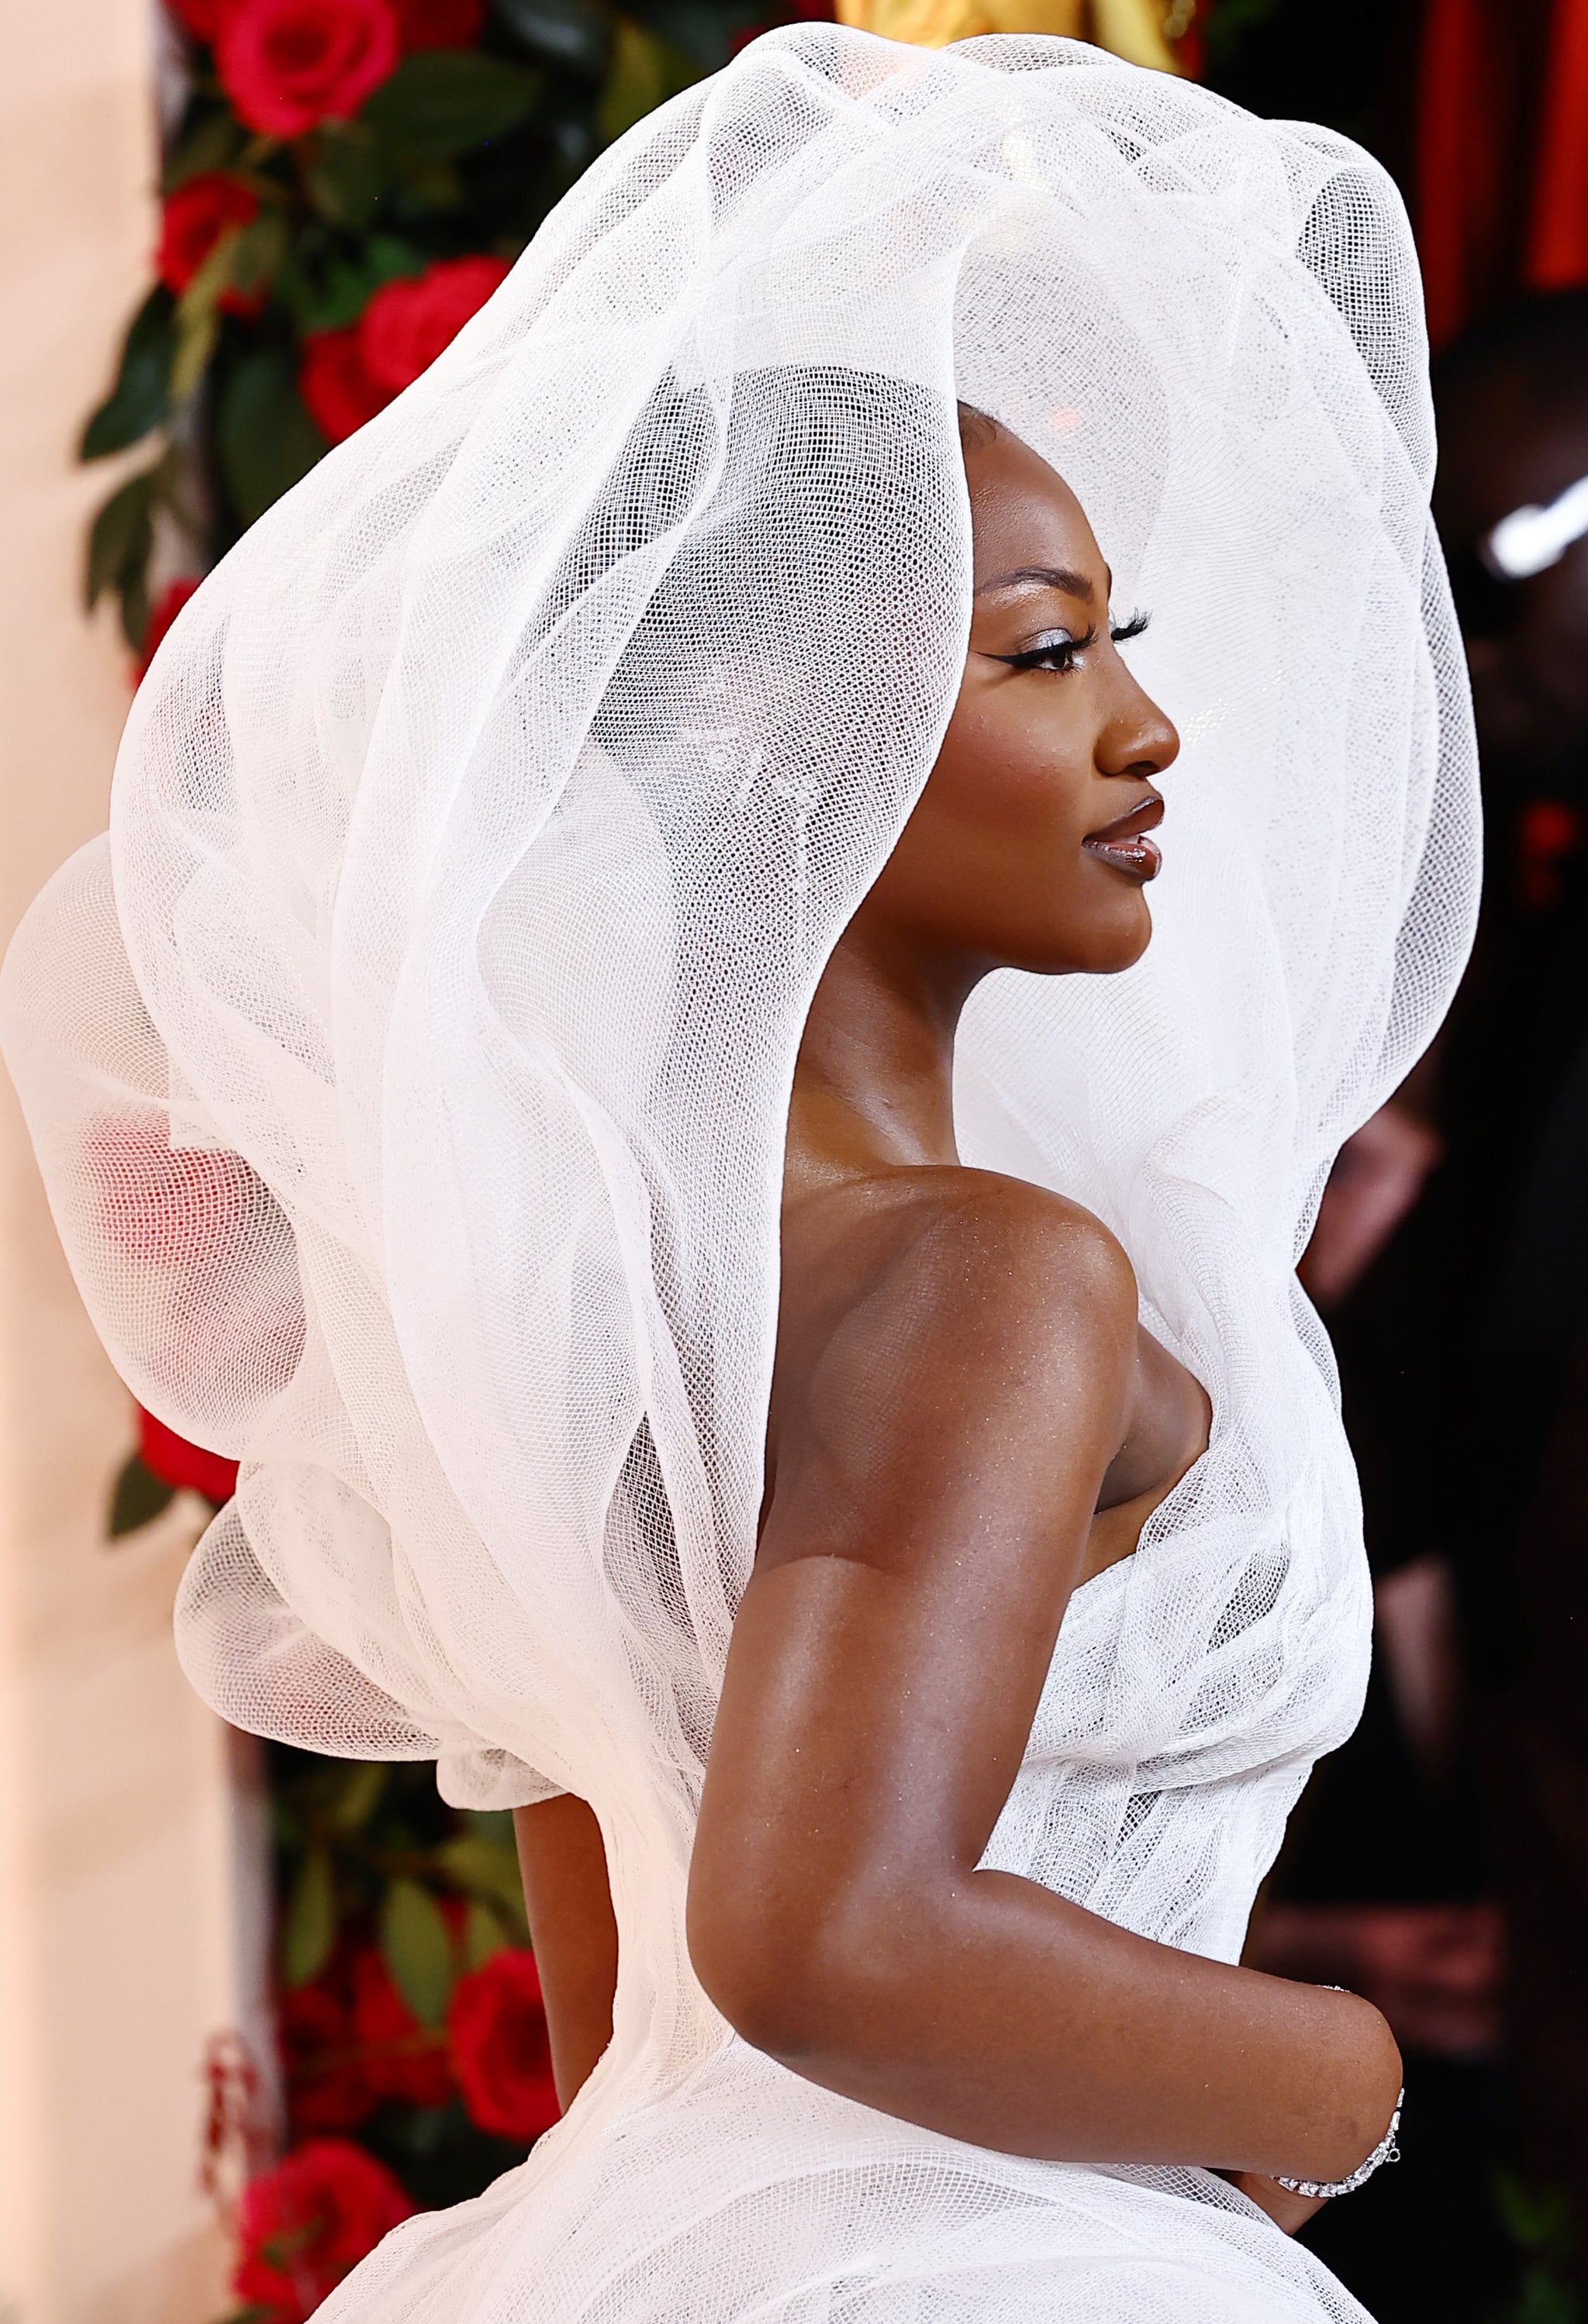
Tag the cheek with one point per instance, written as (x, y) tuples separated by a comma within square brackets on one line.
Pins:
[(1007, 771), (992, 858)]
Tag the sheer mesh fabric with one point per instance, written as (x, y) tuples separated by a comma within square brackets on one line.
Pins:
[(410, 1065)]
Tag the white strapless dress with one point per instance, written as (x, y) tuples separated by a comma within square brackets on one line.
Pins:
[(742, 2194)]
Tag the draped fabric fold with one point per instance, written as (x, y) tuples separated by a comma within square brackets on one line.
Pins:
[(409, 1067)]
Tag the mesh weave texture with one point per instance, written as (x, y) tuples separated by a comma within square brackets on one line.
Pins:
[(410, 1066)]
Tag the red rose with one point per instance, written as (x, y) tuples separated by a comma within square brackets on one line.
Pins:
[(338, 391), (189, 1467), (307, 2223), (400, 2058), (201, 17), (185, 1209), (327, 2087), (289, 64), (501, 2050), (161, 614), (407, 324), (162, 1206), (438, 24), (191, 222)]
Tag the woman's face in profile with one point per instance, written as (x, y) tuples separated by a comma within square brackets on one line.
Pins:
[(1030, 846)]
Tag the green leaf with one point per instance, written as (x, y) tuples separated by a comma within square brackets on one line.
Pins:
[(120, 540), (258, 253), (198, 331), (141, 397), (435, 184), (210, 277), (309, 1926), (481, 1868), (197, 314), (329, 295), (643, 73), (418, 1950), (360, 1796), (138, 1499), (571, 32), (264, 438), (387, 255), (482, 1935), (132, 591), (1533, 2217), (440, 103), (1545, 2298), (343, 174), (213, 142)]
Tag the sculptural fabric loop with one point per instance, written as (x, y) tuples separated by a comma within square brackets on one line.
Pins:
[(410, 1066)]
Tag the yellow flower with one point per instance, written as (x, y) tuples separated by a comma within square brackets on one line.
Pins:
[(1133, 29)]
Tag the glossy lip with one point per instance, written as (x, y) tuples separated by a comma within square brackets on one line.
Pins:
[(1124, 843)]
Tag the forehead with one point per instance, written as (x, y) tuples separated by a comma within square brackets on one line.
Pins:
[(1023, 513)]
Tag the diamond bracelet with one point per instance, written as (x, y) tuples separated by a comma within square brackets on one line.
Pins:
[(1386, 2150)]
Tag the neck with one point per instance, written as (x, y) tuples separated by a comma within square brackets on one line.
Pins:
[(873, 1085)]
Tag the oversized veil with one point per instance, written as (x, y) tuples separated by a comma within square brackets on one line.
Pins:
[(409, 1067)]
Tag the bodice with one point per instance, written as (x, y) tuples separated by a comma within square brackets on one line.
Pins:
[(1166, 1753)]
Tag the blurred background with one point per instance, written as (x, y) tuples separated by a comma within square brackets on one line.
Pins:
[(253, 2006)]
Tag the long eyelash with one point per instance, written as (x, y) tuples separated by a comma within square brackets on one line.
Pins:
[(1121, 632), (1035, 656)]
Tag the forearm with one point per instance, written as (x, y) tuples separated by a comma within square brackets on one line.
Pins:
[(863, 1754), (997, 2013), (568, 1902)]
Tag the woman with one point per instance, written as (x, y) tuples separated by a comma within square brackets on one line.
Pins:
[(535, 799)]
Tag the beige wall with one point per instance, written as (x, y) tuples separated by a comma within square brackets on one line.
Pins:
[(116, 1911)]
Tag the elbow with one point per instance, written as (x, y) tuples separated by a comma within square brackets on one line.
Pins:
[(753, 1971), (786, 1973)]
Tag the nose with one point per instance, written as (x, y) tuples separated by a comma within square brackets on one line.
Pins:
[(1136, 738)]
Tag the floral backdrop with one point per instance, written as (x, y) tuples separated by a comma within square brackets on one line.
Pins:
[(349, 181), (412, 2043)]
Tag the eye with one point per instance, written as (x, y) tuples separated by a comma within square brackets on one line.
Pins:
[(1057, 649), (1054, 649)]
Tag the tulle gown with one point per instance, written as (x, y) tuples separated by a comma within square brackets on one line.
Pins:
[(410, 1066), (749, 2193)]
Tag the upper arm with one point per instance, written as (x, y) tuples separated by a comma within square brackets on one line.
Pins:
[(940, 1452)]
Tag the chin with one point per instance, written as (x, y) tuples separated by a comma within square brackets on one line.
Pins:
[(1109, 960), (1135, 944), (1103, 948)]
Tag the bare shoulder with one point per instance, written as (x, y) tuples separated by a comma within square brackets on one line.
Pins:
[(947, 1324), (952, 1250), (1039, 1246)]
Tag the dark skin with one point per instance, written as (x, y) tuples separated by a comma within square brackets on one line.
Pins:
[(967, 1423), (569, 1900)]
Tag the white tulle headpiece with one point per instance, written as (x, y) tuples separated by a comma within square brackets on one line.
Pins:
[(410, 1065)]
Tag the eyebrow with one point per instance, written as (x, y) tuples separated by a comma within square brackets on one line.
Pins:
[(1042, 577)]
